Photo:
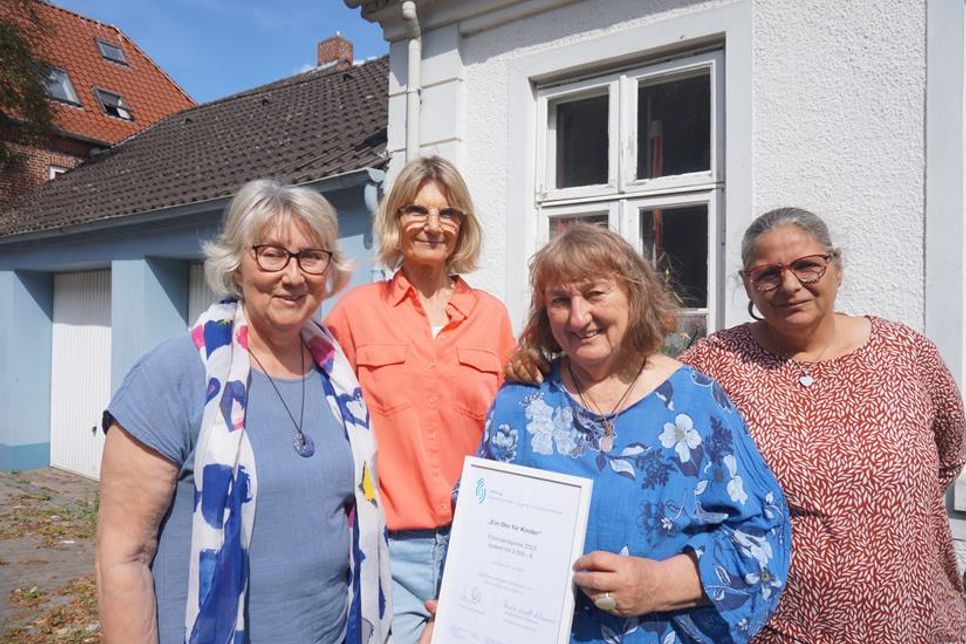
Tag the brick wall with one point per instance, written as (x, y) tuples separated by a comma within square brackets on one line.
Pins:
[(32, 167), (335, 50)]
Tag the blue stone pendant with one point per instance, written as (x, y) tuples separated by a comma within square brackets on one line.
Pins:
[(304, 445)]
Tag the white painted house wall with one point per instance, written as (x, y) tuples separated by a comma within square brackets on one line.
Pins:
[(836, 123), (829, 105)]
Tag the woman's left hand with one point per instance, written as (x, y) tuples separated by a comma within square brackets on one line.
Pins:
[(636, 585)]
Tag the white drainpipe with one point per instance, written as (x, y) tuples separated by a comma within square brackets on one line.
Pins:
[(413, 79)]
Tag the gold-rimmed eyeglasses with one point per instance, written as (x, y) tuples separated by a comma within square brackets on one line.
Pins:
[(447, 217)]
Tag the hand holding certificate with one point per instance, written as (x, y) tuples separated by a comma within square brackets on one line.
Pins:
[(516, 533)]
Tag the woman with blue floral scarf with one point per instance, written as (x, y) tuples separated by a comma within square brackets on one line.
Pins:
[(256, 407), (688, 537)]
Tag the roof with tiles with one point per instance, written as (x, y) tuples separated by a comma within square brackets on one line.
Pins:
[(324, 122), (70, 44)]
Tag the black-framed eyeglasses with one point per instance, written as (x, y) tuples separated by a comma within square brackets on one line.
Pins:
[(273, 259), (807, 270), (448, 217)]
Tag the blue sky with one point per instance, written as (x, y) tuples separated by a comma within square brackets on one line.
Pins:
[(214, 48)]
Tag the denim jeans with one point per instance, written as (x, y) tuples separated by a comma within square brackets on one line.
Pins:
[(416, 561)]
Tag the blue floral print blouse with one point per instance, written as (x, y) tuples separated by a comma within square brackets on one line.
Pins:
[(683, 475)]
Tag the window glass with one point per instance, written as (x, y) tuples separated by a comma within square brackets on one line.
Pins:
[(559, 224), (675, 240), (60, 87), (674, 125), (111, 52), (693, 327), (114, 105), (581, 141)]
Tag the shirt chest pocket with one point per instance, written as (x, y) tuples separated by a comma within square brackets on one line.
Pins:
[(382, 375), (476, 380)]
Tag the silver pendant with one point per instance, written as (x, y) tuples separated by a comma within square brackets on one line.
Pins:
[(304, 445), (607, 440), (806, 380)]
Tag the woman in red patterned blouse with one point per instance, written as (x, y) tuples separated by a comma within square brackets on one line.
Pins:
[(863, 425)]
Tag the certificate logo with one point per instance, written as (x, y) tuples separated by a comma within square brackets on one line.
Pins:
[(480, 490)]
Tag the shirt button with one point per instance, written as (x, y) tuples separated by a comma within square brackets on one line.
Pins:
[(432, 365)]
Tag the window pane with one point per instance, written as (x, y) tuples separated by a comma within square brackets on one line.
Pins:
[(694, 326), (560, 224), (59, 86), (676, 242), (111, 52), (674, 126), (114, 105), (581, 141)]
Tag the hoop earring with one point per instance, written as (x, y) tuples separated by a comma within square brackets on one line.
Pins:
[(751, 312)]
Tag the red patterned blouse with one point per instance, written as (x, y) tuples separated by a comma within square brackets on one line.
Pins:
[(864, 454)]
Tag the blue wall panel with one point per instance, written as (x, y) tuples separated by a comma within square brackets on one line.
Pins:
[(26, 302)]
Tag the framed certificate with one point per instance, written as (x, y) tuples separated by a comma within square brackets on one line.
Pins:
[(516, 532)]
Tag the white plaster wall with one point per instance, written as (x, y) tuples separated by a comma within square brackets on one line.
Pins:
[(486, 59), (838, 122), (839, 111)]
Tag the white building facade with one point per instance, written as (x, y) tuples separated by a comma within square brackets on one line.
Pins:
[(678, 121)]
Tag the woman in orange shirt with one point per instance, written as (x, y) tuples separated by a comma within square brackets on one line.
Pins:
[(428, 350)]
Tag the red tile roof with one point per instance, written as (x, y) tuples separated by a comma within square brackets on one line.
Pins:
[(70, 44)]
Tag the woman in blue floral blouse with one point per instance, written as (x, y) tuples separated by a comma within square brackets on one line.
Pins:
[(688, 537)]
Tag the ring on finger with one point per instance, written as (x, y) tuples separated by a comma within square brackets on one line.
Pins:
[(605, 602)]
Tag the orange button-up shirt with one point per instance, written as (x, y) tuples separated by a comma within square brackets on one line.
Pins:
[(427, 396)]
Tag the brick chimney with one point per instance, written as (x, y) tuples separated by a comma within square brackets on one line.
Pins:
[(336, 50)]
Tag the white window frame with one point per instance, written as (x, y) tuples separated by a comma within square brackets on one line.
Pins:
[(713, 199), (728, 27), (588, 209), (624, 194), (621, 88), (546, 139), (679, 68)]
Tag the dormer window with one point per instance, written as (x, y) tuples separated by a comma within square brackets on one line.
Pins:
[(111, 52), (60, 88), (113, 104)]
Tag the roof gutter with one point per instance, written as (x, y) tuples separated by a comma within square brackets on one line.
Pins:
[(413, 80), (359, 177)]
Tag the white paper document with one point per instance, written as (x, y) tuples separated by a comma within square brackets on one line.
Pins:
[(516, 532)]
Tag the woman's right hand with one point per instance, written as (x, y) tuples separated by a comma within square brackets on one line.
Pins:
[(525, 366)]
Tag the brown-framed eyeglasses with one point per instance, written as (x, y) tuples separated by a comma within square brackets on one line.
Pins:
[(807, 270), (273, 259)]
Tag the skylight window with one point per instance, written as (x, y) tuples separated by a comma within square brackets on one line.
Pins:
[(111, 52), (59, 87), (113, 104)]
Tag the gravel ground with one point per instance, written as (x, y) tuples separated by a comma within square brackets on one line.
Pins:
[(47, 520)]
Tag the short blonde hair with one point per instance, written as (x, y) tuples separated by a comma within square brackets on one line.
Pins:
[(262, 203), (584, 252), (413, 176)]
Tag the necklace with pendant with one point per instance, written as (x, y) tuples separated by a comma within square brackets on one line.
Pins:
[(304, 445), (607, 440), (806, 379)]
